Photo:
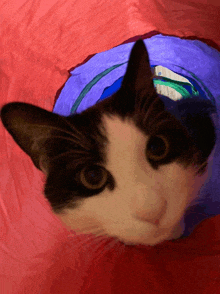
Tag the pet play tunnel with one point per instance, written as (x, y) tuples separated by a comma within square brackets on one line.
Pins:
[(50, 53)]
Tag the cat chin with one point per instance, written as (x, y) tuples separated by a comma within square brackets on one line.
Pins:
[(151, 241), (160, 236)]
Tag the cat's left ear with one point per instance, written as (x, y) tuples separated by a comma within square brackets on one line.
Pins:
[(138, 79), (32, 127)]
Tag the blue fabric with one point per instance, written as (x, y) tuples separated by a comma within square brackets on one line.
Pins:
[(102, 75), (198, 62)]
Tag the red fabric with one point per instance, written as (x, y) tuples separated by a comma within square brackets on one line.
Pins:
[(39, 42)]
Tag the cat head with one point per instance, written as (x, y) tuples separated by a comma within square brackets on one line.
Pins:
[(125, 167)]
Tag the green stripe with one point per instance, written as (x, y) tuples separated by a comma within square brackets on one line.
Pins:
[(208, 93), (178, 87)]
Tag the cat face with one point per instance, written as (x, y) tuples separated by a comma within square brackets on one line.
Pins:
[(125, 167), (144, 205)]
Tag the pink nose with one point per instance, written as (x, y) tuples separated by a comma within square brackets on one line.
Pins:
[(145, 217), (156, 222)]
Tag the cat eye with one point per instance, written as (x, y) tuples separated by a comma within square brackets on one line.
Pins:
[(157, 147), (93, 177)]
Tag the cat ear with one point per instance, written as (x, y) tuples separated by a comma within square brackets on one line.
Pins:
[(138, 79), (30, 126)]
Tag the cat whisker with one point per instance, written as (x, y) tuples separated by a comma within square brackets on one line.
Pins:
[(66, 153), (91, 231), (73, 139), (82, 239), (147, 109), (72, 128), (95, 243), (95, 231), (91, 242), (96, 236), (63, 131), (100, 251)]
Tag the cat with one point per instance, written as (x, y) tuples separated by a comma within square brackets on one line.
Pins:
[(124, 168)]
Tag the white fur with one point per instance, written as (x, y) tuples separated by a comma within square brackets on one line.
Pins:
[(141, 196)]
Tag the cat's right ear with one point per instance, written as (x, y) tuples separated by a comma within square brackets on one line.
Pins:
[(31, 126)]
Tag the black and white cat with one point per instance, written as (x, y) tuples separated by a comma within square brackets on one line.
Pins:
[(125, 167)]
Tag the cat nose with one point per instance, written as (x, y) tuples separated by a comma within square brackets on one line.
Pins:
[(151, 218), (156, 222), (149, 206)]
